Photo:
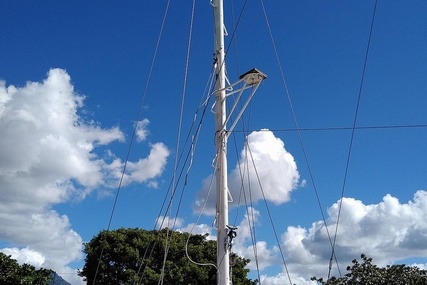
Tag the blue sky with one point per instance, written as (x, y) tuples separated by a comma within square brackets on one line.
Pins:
[(73, 74)]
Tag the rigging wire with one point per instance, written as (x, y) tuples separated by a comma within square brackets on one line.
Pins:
[(206, 102), (201, 106), (250, 214), (138, 117), (249, 208), (232, 35), (196, 222), (250, 211), (179, 135), (189, 157), (352, 134), (377, 127), (173, 183), (242, 190), (160, 222), (252, 228), (270, 216), (296, 125)]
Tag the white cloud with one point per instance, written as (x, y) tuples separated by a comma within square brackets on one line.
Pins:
[(179, 225), (264, 161), (388, 232), (25, 255), (421, 266), (150, 167), (47, 157), (199, 229), (243, 243), (141, 130), (265, 158), (283, 278), (168, 222), (45, 235)]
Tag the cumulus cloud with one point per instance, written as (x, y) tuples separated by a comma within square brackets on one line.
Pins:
[(394, 230), (265, 162), (47, 156), (388, 232)]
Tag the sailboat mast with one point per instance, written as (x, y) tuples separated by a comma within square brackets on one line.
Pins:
[(223, 251)]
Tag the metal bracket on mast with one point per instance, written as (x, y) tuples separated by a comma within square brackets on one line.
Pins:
[(251, 79), (231, 233)]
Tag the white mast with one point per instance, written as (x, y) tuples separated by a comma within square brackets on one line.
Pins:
[(250, 80), (223, 268)]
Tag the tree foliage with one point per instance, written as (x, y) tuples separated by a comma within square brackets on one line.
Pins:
[(11, 273), (136, 256), (369, 273)]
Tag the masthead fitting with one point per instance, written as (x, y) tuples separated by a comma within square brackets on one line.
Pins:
[(253, 76)]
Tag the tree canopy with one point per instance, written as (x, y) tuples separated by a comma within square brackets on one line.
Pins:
[(11, 273), (369, 273), (136, 256)]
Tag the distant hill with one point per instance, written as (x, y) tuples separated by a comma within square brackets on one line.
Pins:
[(58, 280)]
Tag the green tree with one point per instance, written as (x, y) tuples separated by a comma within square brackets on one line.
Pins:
[(11, 273), (136, 256), (369, 273)]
